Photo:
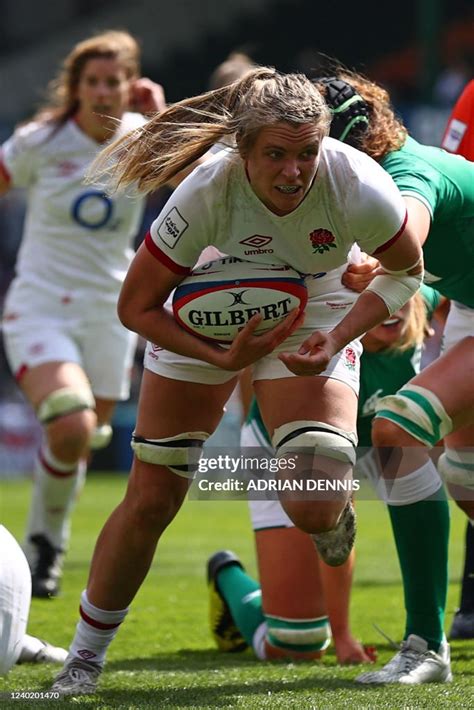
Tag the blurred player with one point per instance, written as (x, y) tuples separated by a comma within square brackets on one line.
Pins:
[(15, 595), (64, 342), (459, 134), (438, 403), (459, 138)]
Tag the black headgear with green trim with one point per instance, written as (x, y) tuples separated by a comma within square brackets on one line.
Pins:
[(350, 113)]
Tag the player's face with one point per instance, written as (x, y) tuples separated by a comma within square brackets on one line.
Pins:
[(388, 332), (282, 163), (103, 90)]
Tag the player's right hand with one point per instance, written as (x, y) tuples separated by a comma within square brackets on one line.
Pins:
[(247, 347)]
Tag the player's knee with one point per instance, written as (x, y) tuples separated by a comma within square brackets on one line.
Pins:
[(69, 417), (101, 437), (386, 433), (316, 439), (413, 413), (456, 466), (69, 436), (313, 516)]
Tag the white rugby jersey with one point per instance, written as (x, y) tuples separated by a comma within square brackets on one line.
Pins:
[(75, 236), (352, 200)]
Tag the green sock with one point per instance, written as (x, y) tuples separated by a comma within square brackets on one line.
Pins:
[(244, 597), (421, 532)]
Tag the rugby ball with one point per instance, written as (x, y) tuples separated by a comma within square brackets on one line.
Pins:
[(219, 297)]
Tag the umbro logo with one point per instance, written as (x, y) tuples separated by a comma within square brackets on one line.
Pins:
[(85, 654), (257, 242)]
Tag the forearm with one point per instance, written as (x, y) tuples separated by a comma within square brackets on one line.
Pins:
[(368, 311)]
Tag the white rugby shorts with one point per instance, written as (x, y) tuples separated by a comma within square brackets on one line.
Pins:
[(41, 327), (459, 324), (328, 303), (264, 514)]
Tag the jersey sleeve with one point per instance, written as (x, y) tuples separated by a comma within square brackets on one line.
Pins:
[(20, 156), (431, 299), (414, 178), (183, 228), (379, 213), (459, 134)]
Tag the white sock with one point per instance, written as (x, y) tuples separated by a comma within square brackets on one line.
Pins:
[(95, 631), (412, 488), (258, 641), (55, 488)]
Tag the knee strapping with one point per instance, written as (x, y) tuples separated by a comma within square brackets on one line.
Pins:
[(324, 439), (179, 453), (101, 437), (61, 402), (298, 635), (456, 466), (418, 411)]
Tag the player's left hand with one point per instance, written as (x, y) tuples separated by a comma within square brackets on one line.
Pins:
[(358, 276), (313, 356), (147, 97)]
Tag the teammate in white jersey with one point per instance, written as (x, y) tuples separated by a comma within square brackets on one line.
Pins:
[(311, 198), (64, 342), (16, 646)]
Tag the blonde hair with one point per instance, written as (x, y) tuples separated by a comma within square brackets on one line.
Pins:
[(153, 154), (416, 327), (113, 44), (385, 132)]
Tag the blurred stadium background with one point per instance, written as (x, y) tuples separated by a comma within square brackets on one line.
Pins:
[(421, 50)]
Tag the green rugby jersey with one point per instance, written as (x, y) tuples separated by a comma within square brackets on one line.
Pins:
[(445, 184)]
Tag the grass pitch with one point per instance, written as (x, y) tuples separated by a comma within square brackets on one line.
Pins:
[(164, 657)]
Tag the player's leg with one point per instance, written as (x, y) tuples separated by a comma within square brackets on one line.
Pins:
[(171, 427), (283, 615), (424, 411), (337, 587), (62, 398), (290, 574), (312, 421), (296, 620), (457, 466), (41, 346)]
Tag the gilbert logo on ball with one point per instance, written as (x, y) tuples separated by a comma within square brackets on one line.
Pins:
[(219, 297)]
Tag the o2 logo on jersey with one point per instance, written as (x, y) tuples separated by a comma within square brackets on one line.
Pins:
[(92, 209)]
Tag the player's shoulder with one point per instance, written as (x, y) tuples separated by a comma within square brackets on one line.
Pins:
[(346, 160), (213, 175), (355, 172), (34, 133), (219, 163)]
